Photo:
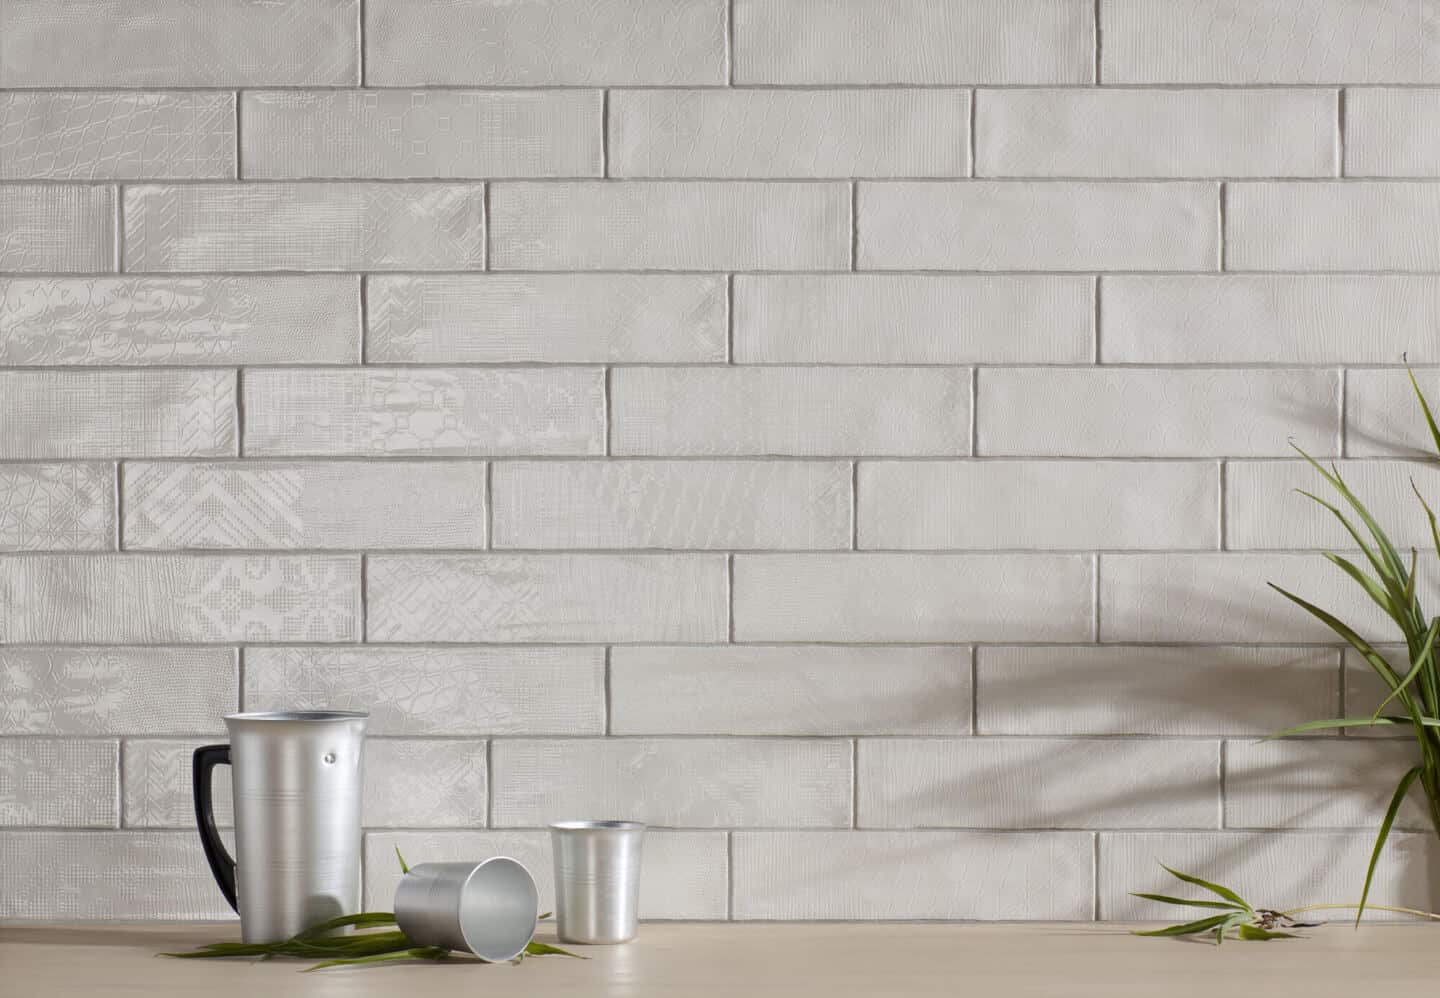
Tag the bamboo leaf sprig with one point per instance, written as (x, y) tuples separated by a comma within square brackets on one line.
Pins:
[(319, 943), (1239, 916)]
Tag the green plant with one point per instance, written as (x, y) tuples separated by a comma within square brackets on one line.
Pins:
[(1238, 915), (1415, 690), (320, 943)]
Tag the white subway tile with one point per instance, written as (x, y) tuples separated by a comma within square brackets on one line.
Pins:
[(1383, 417), (1038, 505), (57, 507), (789, 411), (1037, 783), (1270, 869), (548, 597), (655, 225), (97, 876), (1225, 597), (430, 691), (913, 41), (1054, 225), (912, 597), (688, 782), (179, 320), (322, 226), (1156, 133), (1365, 691), (1266, 41), (1134, 412), (100, 414), (410, 134), (913, 874), (117, 136), (789, 690), (545, 42), (1389, 133), (1269, 319), (116, 691), (152, 599), (1164, 690), (293, 504), (799, 133), (54, 227), (546, 318), (1265, 510), (160, 43), (1336, 225), (375, 412), (50, 781), (1318, 783), (672, 504), (683, 874), (913, 319)]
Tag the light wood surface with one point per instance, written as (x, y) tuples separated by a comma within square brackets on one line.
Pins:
[(755, 960)]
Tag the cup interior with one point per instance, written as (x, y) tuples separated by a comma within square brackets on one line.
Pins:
[(499, 907)]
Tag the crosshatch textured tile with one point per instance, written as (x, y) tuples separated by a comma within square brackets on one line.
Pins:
[(418, 133), (546, 318), (117, 136), (438, 691), (116, 691), (799, 421), (57, 507), (335, 226), (545, 42), (376, 412), (159, 43), (179, 320), (292, 504), (98, 414)]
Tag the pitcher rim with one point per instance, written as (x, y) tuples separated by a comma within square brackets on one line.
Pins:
[(299, 715)]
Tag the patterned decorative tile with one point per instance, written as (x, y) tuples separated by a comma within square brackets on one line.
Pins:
[(290, 504), (57, 507), (330, 226), (116, 691), (377, 412), (117, 136), (100, 414), (135, 599), (179, 320), (437, 691), (55, 781)]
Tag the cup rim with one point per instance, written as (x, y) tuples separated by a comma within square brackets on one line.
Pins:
[(298, 715), (602, 825)]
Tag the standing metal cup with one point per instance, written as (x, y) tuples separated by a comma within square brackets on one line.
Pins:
[(296, 783), (597, 880), (489, 908)]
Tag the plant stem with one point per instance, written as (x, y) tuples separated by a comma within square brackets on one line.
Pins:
[(1369, 907)]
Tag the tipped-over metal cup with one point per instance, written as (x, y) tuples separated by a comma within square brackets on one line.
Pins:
[(489, 909), (597, 880)]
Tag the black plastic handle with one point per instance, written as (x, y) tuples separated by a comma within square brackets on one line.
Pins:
[(202, 770)]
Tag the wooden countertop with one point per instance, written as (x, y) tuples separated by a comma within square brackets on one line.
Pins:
[(678, 960)]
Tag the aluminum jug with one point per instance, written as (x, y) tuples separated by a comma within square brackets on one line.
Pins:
[(296, 779)]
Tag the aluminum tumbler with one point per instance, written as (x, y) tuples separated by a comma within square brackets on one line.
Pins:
[(597, 880), (489, 909)]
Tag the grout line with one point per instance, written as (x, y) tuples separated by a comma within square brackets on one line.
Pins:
[(974, 692), (604, 134), (485, 222), (240, 666), (364, 598), (239, 412), (854, 505), (1340, 149), (974, 412), (1095, 597), (117, 249), (730, 318), (1095, 333), (972, 141), (489, 783), (1095, 872), (119, 506), (730, 875), (730, 596), (122, 749), (609, 708), (1344, 441), (730, 43), (1220, 776), (1099, 41), (1224, 516), (364, 319), (854, 225), (239, 158), (1224, 208), (855, 783), (360, 39), (489, 505), (608, 410)]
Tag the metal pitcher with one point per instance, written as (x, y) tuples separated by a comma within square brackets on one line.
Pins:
[(296, 780)]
